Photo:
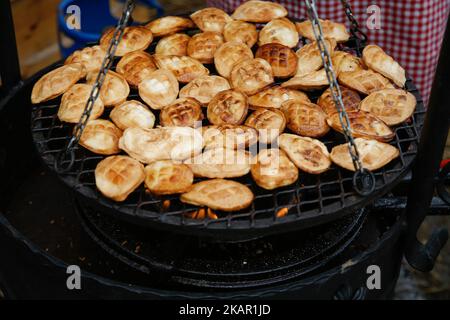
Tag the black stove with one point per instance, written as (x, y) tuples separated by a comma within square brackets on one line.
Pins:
[(327, 246)]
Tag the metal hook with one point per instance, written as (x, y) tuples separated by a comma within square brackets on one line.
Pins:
[(423, 257)]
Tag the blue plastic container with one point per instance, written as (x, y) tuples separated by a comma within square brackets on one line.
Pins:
[(94, 17)]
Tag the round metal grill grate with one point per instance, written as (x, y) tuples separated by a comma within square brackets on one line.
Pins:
[(310, 201)]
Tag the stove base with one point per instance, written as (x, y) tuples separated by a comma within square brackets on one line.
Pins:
[(40, 243)]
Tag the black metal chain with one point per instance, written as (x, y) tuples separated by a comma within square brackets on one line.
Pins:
[(68, 154), (354, 29), (363, 180)]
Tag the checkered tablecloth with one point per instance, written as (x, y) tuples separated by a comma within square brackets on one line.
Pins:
[(411, 30)]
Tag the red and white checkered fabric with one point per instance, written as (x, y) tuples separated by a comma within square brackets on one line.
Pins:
[(411, 30)]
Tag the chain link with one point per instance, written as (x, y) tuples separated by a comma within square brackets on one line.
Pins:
[(336, 93), (95, 92)]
